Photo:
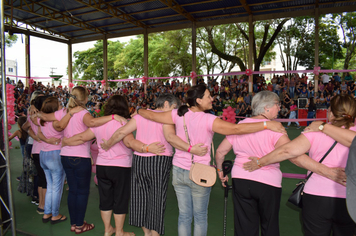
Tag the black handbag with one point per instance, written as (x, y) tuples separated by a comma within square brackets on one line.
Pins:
[(296, 196)]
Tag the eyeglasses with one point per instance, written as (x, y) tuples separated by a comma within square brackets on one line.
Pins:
[(278, 104)]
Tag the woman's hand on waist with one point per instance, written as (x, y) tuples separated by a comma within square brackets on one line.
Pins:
[(199, 149), (251, 165), (156, 148)]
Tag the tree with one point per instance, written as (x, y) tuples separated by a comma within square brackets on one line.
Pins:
[(347, 23), (169, 55), (263, 41), (10, 39), (89, 63), (227, 41)]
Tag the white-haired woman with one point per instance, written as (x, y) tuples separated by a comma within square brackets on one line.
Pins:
[(257, 195), (324, 206)]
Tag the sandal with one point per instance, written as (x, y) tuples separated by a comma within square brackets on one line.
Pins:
[(84, 228), (63, 218), (46, 220), (72, 228)]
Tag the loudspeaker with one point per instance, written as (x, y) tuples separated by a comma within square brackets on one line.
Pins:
[(302, 102)]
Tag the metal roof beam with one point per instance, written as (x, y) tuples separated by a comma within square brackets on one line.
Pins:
[(51, 14), (17, 30), (178, 8), (245, 5), (101, 5)]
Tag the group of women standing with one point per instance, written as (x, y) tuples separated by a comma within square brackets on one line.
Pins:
[(144, 174)]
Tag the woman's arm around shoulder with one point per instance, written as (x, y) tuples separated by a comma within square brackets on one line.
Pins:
[(227, 128)]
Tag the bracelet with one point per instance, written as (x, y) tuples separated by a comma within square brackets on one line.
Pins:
[(71, 115), (218, 170), (112, 117), (258, 163), (142, 147), (264, 124), (190, 148), (147, 148)]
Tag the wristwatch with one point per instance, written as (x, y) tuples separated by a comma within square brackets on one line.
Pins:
[(321, 127)]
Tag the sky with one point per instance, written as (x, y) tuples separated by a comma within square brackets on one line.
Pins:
[(45, 55)]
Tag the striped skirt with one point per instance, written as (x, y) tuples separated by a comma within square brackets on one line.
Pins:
[(149, 183)]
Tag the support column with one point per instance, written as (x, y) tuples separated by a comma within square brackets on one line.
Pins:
[(250, 52), (316, 55), (105, 60), (28, 61), (5, 169), (145, 57), (194, 51), (70, 63)]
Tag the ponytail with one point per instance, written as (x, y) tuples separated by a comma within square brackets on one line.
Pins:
[(195, 92), (182, 110)]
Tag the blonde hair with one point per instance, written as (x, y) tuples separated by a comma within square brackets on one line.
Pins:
[(343, 107), (77, 97)]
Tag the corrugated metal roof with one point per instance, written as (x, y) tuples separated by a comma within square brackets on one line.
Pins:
[(85, 20)]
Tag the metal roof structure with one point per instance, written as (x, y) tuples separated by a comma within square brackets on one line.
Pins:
[(78, 21)]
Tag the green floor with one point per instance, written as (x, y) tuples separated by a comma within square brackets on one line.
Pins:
[(27, 220)]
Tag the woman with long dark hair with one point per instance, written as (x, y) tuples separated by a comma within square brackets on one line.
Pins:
[(311, 109)]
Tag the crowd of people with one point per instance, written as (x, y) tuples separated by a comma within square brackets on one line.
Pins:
[(62, 125)]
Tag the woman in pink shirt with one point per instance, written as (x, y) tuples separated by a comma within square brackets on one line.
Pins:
[(193, 199), (151, 172), (324, 206), (76, 159), (113, 167), (51, 162)]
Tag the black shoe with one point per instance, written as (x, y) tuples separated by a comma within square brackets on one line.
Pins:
[(40, 211)]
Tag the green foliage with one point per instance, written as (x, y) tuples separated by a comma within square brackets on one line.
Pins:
[(220, 48), (10, 39), (169, 55), (89, 63), (264, 35)]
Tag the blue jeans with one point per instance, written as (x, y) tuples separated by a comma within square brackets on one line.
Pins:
[(291, 92), (193, 200), (52, 166), (311, 115), (293, 115), (78, 171)]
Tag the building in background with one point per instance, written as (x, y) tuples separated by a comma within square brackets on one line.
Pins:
[(11, 69)]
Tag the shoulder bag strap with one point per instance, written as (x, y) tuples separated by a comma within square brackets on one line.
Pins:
[(321, 160), (187, 136)]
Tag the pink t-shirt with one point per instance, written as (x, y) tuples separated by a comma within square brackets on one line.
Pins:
[(150, 132), (117, 155), (49, 132), (320, 144), (76, 126), (36, 147), (292, 107), (200, 130), (256, 144)]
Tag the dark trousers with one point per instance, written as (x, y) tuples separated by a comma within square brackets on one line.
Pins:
[(311, 115), (255, 204), (323, 215), (78, 172), (41, 177)]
